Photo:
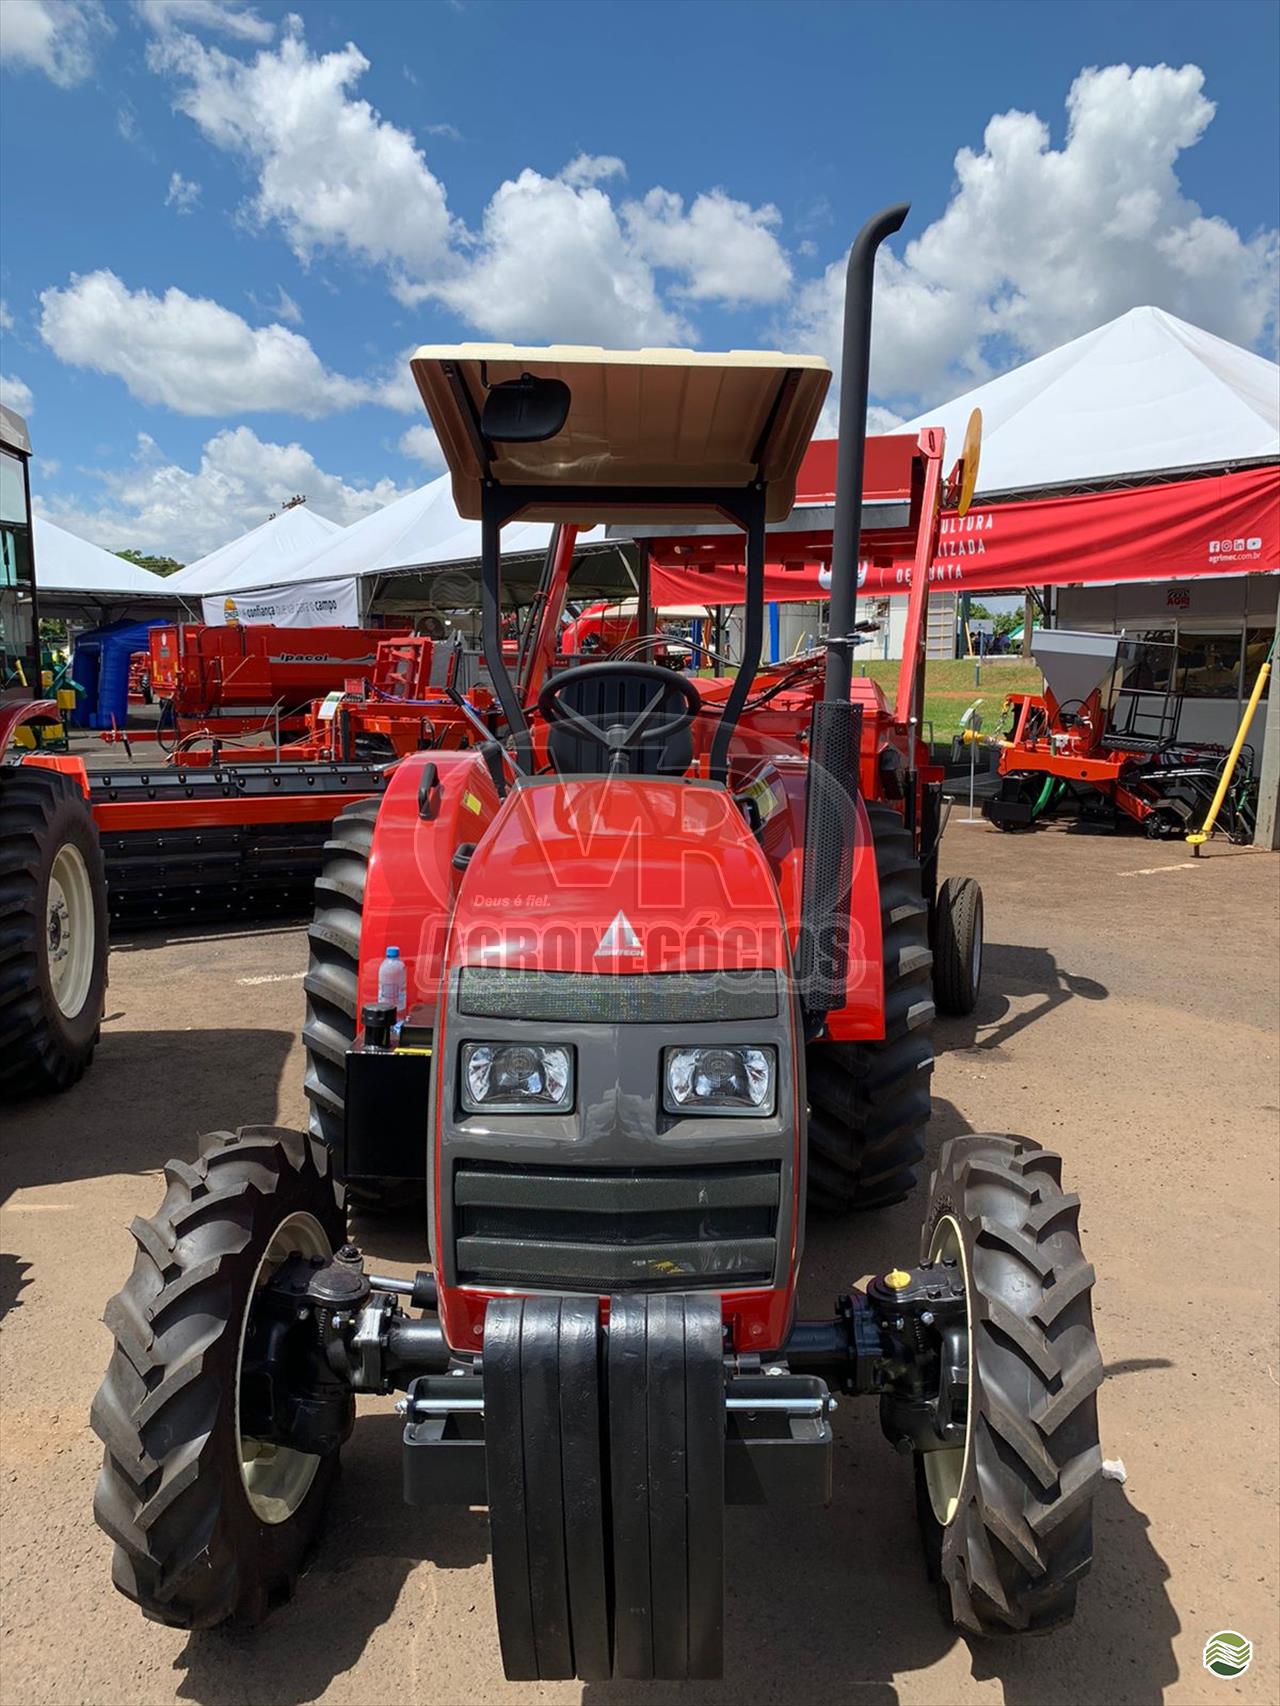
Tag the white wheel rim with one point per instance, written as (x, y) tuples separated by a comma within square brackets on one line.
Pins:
[(70, 930), (944, 1471), (277, 1479), (975, 952)]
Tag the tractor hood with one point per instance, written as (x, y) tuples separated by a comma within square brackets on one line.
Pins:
[(616, 876)]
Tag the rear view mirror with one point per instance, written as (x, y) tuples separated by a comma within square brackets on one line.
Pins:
[(525, 410)]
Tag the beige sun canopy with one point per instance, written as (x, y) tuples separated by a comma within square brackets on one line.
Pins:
[(660, 422)]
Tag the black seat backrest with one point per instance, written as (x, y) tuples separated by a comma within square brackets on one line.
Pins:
[(619, 699)]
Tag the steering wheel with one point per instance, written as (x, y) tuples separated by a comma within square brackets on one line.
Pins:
[(620, 738)]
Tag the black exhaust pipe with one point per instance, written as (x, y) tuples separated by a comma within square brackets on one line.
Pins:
[(855, 370)]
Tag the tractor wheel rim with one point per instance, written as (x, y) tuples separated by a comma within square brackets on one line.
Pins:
[(277, 1479), (945, 1471), (70, 930), (975, 952)]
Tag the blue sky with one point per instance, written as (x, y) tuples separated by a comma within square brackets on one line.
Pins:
[(224, 226)]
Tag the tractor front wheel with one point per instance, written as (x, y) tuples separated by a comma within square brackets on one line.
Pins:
[(53, 931), (1007, 1516), (957, 946), (211, 1520)]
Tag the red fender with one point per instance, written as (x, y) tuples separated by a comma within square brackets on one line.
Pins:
[(412, 884)]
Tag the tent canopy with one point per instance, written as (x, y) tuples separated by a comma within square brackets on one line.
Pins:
[(667, 419), (1144, 394), (65, 563), (265, 553), (1145, 449), (421, 531)]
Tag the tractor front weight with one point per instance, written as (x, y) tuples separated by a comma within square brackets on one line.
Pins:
[(636, 1420)]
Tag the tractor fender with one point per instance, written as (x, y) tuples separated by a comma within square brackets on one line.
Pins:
[(413, 883)]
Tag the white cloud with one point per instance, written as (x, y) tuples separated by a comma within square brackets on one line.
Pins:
[(59, 37), (420, 444), (586, 169), (229, 17), (551, 262), (1039, 245), (330, 172), (161, 506), (182, 194), (15, 395), (283, 308), (724, 250), (189, 353), (554, 256), (6, 318)]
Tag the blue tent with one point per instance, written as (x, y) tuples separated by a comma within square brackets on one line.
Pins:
[(100, 669)]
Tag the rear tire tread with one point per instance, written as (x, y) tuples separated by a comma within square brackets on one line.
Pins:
[(870, 1101)]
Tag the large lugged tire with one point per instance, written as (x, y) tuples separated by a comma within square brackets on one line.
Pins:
[(869, 1102), (53, 931), (1007, 1522), (331, 985), (205, 1531), (957, 946)]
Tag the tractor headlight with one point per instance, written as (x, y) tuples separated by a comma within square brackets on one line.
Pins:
[(719, 1079), (507, 1078)]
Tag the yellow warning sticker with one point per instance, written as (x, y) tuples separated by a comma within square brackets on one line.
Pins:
[(471, 803)]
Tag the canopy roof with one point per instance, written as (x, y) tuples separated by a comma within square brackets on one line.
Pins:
[(1144, 394), (421, 530), (264, 553), (65, 563), (638, 419)]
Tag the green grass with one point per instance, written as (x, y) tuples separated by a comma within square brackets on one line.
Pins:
[(950, 688)]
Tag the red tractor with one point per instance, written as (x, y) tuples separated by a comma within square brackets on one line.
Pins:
[(660, 1004)]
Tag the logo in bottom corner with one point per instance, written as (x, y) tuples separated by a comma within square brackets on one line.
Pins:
[(1227, 1653)]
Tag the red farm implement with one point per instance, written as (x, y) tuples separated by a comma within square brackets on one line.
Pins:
[(1104, 738), (237, 680), (667, 991)]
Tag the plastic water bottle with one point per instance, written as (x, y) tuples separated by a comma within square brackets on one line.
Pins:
[(393, 983)]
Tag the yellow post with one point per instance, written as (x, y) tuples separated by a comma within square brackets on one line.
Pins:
[(1197, 838)]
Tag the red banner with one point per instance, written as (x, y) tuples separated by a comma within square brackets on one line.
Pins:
[(1221, 524)]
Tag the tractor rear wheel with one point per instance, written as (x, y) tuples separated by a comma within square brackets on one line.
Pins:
[(957, 946), (331, 986), (210, 1524), (869, 1102), (53, 931), (1006, 1518)]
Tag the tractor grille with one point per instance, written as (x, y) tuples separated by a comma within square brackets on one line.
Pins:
[(588, 998), (682, 1227)]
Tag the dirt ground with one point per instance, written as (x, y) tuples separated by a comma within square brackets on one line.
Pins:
[(1129, 1019)]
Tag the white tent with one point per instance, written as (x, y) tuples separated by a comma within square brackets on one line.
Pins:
[(421, 530), (65, 563), (265, 553), (1143, 394)]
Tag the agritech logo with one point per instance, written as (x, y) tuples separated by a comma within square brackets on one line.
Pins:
[(1227, 1653)]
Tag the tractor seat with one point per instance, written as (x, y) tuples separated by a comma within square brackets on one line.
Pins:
[(605, 700)]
